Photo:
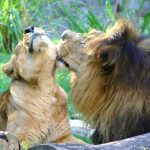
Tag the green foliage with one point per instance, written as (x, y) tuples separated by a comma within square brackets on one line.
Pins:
[(80, 19), (146, 23), (85, 139), (109, 10), (74, 21), (63, 79), (85, 17), (141, 3), (10, 24), (93, 21), (57, 15), (4, 80), (24, 146)]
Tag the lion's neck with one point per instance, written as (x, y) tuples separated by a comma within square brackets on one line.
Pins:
[(86, 90), (93, 95)]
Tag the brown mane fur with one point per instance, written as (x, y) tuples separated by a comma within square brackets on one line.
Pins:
[(112, 88)]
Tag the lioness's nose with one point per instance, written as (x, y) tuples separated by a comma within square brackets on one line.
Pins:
[(65, 34), (29, 30)]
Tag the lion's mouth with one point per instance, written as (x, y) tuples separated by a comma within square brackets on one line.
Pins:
[(59, 58)]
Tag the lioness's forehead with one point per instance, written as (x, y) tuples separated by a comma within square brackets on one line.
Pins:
[(27, 36), (38, 30)]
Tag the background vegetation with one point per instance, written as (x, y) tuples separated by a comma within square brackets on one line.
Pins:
[(58, 15)]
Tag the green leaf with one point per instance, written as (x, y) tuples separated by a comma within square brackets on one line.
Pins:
[(146, 23), (109, 10), (94, 21), (141, 3)]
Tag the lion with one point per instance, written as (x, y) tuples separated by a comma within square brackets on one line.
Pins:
[(111, 83), (34, 108)]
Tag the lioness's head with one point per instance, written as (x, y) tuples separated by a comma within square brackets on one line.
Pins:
[(33, 55), (72, 48)]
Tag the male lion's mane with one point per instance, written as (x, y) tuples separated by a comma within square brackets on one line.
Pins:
[(112, 89)]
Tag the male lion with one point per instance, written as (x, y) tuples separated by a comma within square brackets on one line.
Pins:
[(112, 84), (35, 108)]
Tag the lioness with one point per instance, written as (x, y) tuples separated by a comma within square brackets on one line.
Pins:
[(35, 107), (111, 88)]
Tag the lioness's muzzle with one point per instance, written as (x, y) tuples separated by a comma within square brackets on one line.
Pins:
[(34, 35)]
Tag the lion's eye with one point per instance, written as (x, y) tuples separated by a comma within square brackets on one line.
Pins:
[(82, 42)]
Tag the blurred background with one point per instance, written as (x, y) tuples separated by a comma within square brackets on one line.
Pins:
[(55, 16), (58, 15)]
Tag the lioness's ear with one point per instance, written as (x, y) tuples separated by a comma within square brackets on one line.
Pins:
[(10, 69), (121, 31)]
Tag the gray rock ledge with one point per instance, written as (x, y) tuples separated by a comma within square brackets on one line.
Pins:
[(141, 142)]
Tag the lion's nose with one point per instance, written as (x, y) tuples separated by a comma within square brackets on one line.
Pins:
[(29, 30), (65, 34)]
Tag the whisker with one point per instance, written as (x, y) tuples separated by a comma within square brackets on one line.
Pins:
[(57, 58)]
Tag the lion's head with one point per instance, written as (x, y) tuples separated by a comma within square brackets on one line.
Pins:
[(112, 87), (33, 55), (72, 48)]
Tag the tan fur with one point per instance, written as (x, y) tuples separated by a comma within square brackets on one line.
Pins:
[(37, 106), (111, 88), (4, 99)]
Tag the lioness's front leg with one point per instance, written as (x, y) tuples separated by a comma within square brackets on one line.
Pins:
[(62, 100)]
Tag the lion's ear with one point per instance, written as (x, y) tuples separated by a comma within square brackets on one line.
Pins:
[(121, 31), (108, 60)]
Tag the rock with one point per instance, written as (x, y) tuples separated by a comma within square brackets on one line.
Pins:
[(81, 128), (61, 147), (141, 142)]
